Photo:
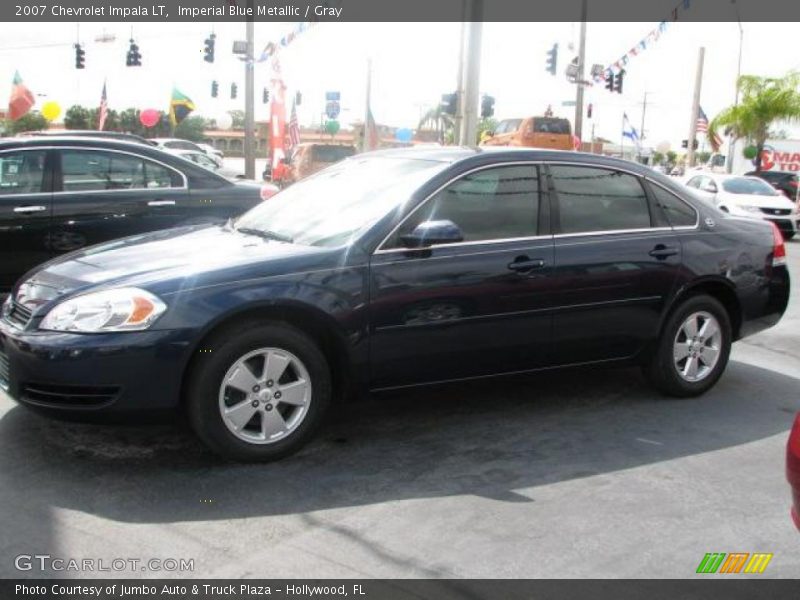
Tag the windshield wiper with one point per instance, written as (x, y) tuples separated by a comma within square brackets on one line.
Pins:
[(266, 234)]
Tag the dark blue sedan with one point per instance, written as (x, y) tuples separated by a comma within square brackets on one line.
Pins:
[(394, 269)]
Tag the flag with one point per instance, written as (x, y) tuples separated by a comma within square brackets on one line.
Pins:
[(21, 99), (702, 127), (179, 107), (294, 128), (629, 132), (370, 132), (101, 119)]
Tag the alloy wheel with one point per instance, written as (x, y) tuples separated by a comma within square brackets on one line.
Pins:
[(697, 346)]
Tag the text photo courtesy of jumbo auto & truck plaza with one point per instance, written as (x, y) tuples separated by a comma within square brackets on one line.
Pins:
[(452, 299)]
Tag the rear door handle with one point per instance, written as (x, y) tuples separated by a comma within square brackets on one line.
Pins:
[(29, 209), (661, 251), (525, 264), (161, 203)]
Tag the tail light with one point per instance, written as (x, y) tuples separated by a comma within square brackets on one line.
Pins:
[(794, 438), (268, 191), (778, 247)]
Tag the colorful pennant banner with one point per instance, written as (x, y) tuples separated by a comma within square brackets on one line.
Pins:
[(273, 47)]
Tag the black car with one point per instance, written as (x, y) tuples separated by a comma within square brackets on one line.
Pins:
[(780, 180), (106, 135), (60, 194), (390, 270)]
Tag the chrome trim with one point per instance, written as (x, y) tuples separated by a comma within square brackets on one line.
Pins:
[(97, 149), (29, 209), (161, 203), (381, 250), (612, 232), (462, 244)]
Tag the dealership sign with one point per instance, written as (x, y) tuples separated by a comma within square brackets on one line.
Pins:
[(781, 155)]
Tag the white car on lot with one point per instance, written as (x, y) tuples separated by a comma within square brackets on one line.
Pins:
[(747, 197), (174, 144)]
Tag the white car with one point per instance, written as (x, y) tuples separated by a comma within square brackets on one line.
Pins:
[(173, 144), (747, 197), (211, 151), (207, 162)]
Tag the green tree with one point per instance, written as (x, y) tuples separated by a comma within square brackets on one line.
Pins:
[(658, 158), (765, 102), (191, 128), (672, 157), (238, 118), (702, 157), (128, 121), (32, 121), (486, 125), (441, 122), (77, 117)]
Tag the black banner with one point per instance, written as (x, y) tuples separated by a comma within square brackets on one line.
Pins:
[(70, 11), (401, 589)]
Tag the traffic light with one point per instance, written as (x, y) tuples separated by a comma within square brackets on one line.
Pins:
[(298, 98), (552, 59), (449, 102), (233, 91), (208, 51), (214, 89), (610, 82), (80, 57), (589, 111), (618, 82), (134, 57), (685, 144), (265, 96), (487, 106)]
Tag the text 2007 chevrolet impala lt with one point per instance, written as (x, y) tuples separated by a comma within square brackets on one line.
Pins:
[(392, 269)]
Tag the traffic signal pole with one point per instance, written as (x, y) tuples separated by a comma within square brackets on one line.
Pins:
[(581, 72), (249, 99), (698, 82), (468, 135)]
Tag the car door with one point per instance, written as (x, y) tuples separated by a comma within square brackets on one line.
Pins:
[(101, 194), (25, 198), (616, 264), (470, 308)]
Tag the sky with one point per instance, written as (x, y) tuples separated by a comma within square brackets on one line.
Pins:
[(413, 65)]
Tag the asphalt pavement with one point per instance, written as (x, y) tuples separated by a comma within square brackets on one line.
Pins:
[(573, 474)]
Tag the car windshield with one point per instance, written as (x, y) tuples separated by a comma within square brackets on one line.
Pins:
[(334, 205), (746, 185)]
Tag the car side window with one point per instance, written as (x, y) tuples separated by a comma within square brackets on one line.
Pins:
[(491, 204), (678, 212), (95, 170), (595, 199), (22, 172)]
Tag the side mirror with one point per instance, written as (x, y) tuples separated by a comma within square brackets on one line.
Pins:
[(429, 233)]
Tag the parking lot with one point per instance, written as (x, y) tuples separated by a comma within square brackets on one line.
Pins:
[(573, 474)]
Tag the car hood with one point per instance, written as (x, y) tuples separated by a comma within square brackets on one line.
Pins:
[(167, 260), (779, 201)]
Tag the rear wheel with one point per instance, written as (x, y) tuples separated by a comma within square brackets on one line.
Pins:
[(693, 350), (258, 392)]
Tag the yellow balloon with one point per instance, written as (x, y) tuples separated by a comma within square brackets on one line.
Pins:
[(51, 110)]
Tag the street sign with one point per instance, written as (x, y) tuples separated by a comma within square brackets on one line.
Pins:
[(332, 109), (332, 96), (568, 103)]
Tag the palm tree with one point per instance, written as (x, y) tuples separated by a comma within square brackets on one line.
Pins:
[(439, 121), (765, 101)]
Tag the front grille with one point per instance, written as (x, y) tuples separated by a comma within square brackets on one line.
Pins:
[(19, 315), (4, 373), (778, 212), (72, 396)]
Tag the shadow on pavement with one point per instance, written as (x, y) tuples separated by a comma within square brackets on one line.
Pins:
[(486, 439)]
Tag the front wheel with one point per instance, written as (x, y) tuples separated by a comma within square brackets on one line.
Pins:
[(258, 392), (693, 349)]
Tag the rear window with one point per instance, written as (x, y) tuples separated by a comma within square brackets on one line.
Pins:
[(508, 126), (549, 125), (331, 154), (745, 185), (22, 172)]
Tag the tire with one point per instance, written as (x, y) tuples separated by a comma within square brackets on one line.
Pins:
[(788, 235), (236, 359), (674, 378)]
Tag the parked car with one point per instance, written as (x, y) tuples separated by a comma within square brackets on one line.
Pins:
[(180, 144), (211, 151), (60, 194), (532, 132), (307, 159), (394, 269), (793, 469), (205, 161), (780, 180), (747, 197)]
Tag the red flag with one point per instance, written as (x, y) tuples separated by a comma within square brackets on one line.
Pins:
[(21, 99), (101, 119)]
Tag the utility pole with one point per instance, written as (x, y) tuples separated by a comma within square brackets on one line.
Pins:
[(460, 76), (468, 136), (581, 72), (365, 140), (698, 82), (641, 130), (249, 98), (732, 139)]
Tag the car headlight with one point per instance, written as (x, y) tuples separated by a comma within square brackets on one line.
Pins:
[(122, 309)]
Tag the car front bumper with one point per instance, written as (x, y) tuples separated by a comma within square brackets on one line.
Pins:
[(93, 373)]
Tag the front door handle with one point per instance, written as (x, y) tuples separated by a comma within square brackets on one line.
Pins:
[(161, 203), (523, 264), (29, 209), (661, 251)]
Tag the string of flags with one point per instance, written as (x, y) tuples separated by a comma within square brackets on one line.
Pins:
[(647, 41), (272, 48)]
